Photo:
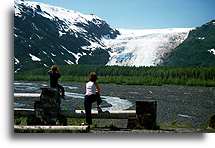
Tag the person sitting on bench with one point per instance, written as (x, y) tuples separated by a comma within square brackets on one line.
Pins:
[(54, 75)]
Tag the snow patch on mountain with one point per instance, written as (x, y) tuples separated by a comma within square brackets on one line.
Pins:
[(212, 51), (201, 38), (45, 65), (53, 55), (44, 52), (17, 70), (34, 58), (16, 61), (68, 62), (61, 33), (77, 57), (144, 47)]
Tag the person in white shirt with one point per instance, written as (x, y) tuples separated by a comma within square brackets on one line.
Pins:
[(92, 95)]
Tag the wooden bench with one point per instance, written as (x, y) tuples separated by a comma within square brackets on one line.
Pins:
[(143, 117)]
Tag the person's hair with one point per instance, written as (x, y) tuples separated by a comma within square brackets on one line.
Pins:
[(93, 77), (54, 68)]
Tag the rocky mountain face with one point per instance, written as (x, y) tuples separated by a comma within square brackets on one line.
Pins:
[(45, 35), (197, 50)]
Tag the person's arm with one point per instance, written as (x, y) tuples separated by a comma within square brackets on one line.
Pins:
[(97, 88), (59, 75), (49, 72)]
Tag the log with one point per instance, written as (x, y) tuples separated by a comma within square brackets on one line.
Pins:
[(50, 129), (21, 95), (124, 114), (23, 111)]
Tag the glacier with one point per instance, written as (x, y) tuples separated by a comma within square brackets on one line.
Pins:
[(144, 47)]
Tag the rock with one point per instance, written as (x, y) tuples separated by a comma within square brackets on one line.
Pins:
[(47, 110)]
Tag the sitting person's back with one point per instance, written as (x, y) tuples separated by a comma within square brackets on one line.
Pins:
[(54, 75)]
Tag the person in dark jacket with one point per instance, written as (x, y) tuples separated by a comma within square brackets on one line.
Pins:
[(54, 75)]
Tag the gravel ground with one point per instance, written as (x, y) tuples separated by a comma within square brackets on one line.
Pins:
[(192, 106), (175, 104)]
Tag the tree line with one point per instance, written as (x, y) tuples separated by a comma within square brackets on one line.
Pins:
[(204, 76)]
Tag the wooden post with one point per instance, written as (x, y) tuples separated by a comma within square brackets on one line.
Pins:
[(212, 122), (146, 114)]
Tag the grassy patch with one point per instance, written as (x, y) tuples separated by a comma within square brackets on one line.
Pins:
[(175, 124), (75, 121), (20, 120)]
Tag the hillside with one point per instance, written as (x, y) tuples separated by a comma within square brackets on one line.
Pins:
[(197, 50)]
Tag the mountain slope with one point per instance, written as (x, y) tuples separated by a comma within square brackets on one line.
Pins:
[(46, 35), (197, 50)]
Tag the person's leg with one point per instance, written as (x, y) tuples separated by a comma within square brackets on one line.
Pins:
[(98, 99), (87, 107), (61, 88)]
